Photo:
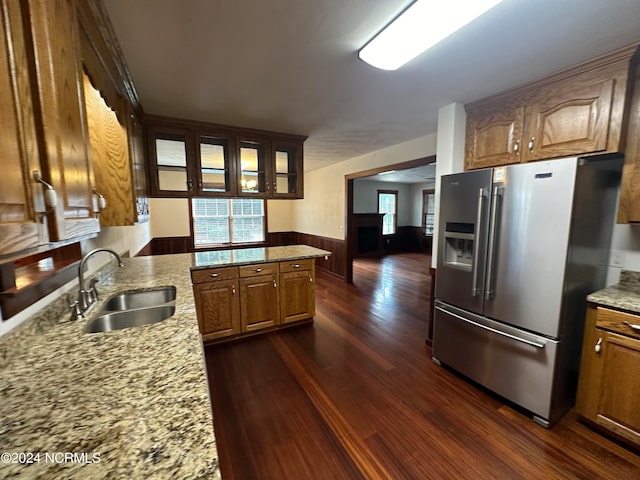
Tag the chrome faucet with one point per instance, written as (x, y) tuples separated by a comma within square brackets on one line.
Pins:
[(86, 298)]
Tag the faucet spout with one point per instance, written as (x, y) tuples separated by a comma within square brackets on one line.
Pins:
[(83, 295)]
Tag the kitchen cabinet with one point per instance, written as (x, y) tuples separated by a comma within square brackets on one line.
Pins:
[(217, 302), (22, 223), (609, 385), (576, 112), (110, 156), (197, 159), (138, 164), (494, 135), (115, 133), (235, 298), (59, 116), (286, 171), (259, 306), (297, 291)]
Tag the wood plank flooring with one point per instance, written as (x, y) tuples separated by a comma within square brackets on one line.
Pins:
[(355, 395)]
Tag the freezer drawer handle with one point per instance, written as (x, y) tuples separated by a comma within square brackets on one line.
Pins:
[(493, 330), (475, 290)]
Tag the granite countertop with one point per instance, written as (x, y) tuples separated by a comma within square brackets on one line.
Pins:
[(247, 256), (135, 399), (625, 295)]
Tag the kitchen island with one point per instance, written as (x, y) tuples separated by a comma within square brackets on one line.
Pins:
[(248, 291), (130, 403)]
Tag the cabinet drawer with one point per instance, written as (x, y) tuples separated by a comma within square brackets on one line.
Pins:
[(618, 322), (258, 269), (295, 265), (213, 274)]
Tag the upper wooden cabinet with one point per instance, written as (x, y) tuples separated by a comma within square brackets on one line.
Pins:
[(60, 117), (115, 133), (494, 136), (576, 112), (21, 205), (590, 109), (188, 159)]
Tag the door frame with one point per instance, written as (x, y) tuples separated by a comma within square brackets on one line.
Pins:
[(350, 237)]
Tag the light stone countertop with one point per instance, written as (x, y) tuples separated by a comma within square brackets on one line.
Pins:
[(137, 397), (625, 295), (248, 256)]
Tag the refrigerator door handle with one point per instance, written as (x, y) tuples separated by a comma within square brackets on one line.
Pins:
[(493, 235), (490, 329), (475, 290)]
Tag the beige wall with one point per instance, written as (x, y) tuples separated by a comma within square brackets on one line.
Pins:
[(322, 211), (170, 216)]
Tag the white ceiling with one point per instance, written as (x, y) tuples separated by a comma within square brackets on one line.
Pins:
[(292, 65)]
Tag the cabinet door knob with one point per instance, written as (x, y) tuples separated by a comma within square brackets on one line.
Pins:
[(516, 147), (531, 144), (310, 279), (275, 285), (233, 290), (598, 347)]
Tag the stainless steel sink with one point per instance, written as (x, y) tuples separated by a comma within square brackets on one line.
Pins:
[(133, 309), (140, 299), (129, 318)]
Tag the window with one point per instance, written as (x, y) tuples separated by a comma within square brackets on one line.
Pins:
[(428, 211), (388, 204), (227, 220)]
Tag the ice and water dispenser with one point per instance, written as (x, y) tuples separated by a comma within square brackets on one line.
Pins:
[(458, 245)]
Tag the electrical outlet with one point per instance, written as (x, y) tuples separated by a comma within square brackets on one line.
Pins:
[(616, 259)]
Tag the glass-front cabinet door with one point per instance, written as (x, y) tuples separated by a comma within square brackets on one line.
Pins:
[(287, 169), (169, 164), (252, 161), (216, 170)]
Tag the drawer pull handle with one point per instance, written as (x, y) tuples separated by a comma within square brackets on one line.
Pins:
[(258, 270), (598, 347), (275, 285), (214, 275), (295, 265), (233, 290), (633, 326), (310, 279)]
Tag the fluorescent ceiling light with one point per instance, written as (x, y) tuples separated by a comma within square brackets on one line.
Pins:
[(418, 28)]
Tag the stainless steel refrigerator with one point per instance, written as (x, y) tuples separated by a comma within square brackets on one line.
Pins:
[(519, 249)]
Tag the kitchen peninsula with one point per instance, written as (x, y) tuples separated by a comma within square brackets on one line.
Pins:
[(247, 291), (136, 397)]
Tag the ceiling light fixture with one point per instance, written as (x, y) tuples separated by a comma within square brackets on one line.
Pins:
[(419, 27)]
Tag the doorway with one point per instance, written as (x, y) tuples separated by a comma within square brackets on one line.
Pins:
[(414, 172)]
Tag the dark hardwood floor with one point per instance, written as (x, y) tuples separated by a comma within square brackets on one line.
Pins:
[(356, 395)]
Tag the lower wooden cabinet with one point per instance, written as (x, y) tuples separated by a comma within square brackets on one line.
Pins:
[(259, 302), (233, 301), (297, 292), (218, 308), (609, 386)]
